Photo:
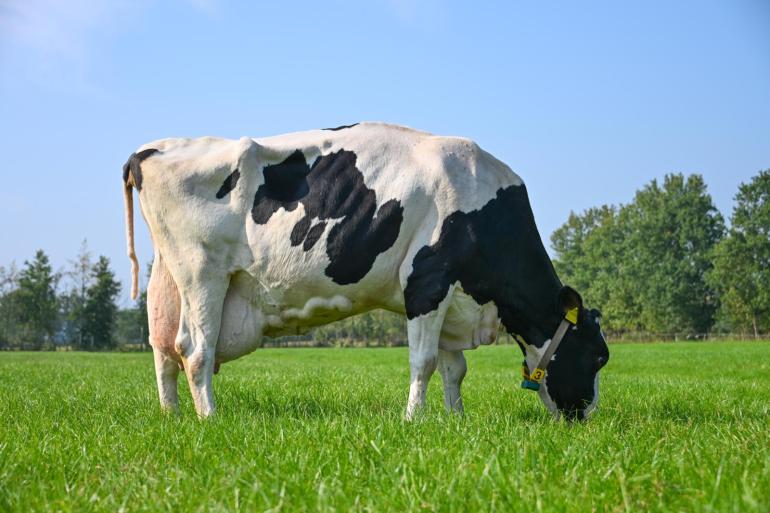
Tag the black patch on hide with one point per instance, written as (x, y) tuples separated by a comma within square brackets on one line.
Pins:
[(331, 188), (133, 166), (229, 184), (341, 127), (496, 254)]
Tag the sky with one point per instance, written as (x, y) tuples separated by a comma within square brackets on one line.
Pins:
[(586, 101)]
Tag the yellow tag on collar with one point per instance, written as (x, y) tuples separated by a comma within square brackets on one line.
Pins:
[(572, 315), (537, 375)]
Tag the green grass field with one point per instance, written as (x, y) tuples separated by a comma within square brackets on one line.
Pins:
[(681, 427)]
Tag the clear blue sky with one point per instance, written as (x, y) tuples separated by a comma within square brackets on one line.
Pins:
[(587, 101)]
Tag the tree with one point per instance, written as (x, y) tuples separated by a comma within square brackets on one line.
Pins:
[(36, 302), (100, 310), (73, 303), (9, 282), (142, 320), (590, 256), (672, 230), (569, 243), (644, 264), (131, 326), (741, 270)]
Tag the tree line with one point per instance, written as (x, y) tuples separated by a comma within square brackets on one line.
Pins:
[(75, 307), (667, 264)]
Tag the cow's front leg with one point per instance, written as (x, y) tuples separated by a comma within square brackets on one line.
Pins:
[(196, 341), (166, 373), (452, 367), (423, 333)]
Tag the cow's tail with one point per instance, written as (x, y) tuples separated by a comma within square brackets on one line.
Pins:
[(132, 177), (128, 199)]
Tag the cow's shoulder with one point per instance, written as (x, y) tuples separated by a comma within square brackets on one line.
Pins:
[(464, 156)]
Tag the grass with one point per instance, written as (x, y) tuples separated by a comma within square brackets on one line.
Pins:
[(681, 427)]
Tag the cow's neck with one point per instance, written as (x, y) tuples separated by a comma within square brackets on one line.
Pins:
[(529, 305)]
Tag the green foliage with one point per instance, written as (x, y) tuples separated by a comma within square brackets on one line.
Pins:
[(322, 430), (100, 310), (9, 282), (141, 313), (35, 303), (590, 249), (570, 241), (672, 230), (378, 327), (741, 272), (131, 324), (74, 302), (644, 264)]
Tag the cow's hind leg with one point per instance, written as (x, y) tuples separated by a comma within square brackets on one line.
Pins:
[(423, 333), (202, 300), (452, 367), (163, 321), (166, 373)]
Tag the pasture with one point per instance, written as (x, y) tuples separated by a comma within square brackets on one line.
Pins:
[(681, 427)]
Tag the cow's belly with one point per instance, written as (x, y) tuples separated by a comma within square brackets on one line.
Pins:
[(253, 310), (242, 326)]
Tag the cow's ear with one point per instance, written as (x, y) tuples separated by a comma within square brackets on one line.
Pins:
[(569, 300)]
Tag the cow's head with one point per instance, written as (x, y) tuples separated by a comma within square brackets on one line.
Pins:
[(571, 384)]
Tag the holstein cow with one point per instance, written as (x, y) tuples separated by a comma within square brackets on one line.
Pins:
[(274, 236)]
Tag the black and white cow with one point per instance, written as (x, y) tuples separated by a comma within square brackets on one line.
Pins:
[(274, 236)]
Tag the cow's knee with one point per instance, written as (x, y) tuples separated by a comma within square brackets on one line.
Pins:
[(452, 367)]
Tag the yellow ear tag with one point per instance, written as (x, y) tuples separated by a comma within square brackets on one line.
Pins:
[(572, 315)]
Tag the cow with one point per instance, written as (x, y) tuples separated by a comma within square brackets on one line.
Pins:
[(273, 236)]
